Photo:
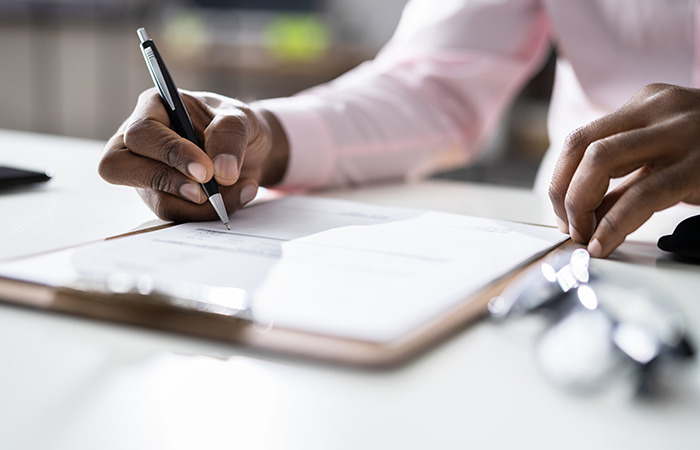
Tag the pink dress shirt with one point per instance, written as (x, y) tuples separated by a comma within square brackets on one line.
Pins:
[(439, 87)]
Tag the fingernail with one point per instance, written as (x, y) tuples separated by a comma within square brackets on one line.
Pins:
[(575, 235), (190, 191), (562, 226), (197, 171), (226, 166), (248, 193), (595, 249)]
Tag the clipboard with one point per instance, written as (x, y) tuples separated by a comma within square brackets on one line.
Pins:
[(239, 327)]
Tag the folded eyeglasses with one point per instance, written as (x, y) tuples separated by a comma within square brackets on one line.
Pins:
[(598, 326)]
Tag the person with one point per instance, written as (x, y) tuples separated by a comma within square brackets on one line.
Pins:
[(624, 85)]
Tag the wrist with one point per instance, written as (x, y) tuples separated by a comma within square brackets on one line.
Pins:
[(275, 165)]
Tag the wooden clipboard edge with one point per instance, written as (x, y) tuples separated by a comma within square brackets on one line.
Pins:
[(217, 327), (468, 311), (228, 329), (143, 230), (390, 355), (273, 340)]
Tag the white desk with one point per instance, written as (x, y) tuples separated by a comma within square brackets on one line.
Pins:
[(68, 383)]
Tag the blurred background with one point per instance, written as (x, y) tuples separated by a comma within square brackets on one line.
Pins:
[(73, 67)]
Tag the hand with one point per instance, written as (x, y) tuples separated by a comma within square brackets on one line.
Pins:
[(243, 148), (655, 137)]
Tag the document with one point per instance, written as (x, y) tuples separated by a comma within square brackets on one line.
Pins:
[(324, 266)]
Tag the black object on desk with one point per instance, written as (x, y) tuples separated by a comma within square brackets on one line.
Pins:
[(685, 240), (11, 177)]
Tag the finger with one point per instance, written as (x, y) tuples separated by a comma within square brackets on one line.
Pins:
[(653, 192), (173, 208), (629, 117), (226, 140), (200, 110), (232, 132), (107, 168), (240, 194), (120, 166), (614, 195), (148, 134), (254, 172), (612, 157), (226, 128)]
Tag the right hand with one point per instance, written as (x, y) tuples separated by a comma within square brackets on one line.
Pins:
[(243, 148), (655, 139)]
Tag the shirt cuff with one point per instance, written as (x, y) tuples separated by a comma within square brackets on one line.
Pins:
[(311, 152)]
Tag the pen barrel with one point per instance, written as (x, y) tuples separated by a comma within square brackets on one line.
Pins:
[(181, 123), (180, 120), (210, 188)]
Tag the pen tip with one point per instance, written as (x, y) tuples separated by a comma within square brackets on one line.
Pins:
[(227, 225)]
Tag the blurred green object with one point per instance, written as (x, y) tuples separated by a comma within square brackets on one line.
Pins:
[(185, 31), (297, 37)]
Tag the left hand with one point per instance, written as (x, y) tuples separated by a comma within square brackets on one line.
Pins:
[(655, 137)]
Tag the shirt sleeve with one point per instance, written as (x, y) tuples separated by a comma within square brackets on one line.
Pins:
[(425, 103)]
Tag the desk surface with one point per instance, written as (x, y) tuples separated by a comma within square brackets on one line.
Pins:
[(69, 383)]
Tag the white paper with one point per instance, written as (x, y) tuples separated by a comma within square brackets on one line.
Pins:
[(320, 265)]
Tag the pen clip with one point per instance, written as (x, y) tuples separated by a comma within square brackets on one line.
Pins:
[(157, 75)]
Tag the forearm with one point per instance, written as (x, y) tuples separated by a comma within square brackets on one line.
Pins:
[(426, 103)]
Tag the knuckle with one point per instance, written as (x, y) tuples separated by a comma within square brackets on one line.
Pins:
[(244, 109), (611, 222), (236, 123), (575, 140), (135, 131), (161, 181), (556, 194), (148, 95), (663, 95), (171, 154), (570, 203), (653, 88), (230, 131), (654, 92), (104, 167), (599, 152), (139, 135), (112, 165)]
